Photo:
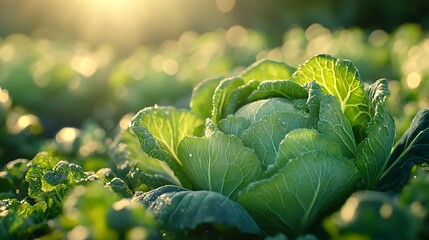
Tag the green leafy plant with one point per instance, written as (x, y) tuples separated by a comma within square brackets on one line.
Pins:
[(288, 145)]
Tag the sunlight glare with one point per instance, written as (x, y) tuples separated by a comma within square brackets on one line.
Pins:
[(125, 121), (237, 36), (7, 52), (85, 65), (348, 211), (413, 80), (225, 6), (386, 211), (27, 120), (4, 98), (79, 232), (170, 66), (121, 204), (67, 135)]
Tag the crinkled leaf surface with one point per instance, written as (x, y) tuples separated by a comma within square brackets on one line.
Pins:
[(267, 70), (119, 187), (22, 220), (219, 163), (411, 149), (339, 78), (41, 164), (299, 193), (378, 92), (178, 209)]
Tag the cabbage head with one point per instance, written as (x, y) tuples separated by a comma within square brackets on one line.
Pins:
[(287, 146)]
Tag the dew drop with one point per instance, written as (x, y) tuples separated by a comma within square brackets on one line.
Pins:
[(190, 155)]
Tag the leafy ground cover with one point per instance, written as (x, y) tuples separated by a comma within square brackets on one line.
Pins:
[(272, 151)]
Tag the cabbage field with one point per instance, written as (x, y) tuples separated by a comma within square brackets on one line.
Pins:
[(217, 135)]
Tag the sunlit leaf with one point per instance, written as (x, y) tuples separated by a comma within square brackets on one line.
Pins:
[(267, 70), (160, 129), (340, 78)]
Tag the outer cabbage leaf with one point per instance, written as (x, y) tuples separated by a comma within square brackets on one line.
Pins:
[(410, 150), (330, 121), (374, 150), (201, 99), (339, 78), (219, 163), (299, 193), (135, 166), (221, 97), (159, 130), (178, 209), (267, 70), (335, 127)]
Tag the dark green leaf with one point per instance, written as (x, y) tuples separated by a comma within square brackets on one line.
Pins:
[(119, 186), (58, 175), (179, 210), (411, 149)]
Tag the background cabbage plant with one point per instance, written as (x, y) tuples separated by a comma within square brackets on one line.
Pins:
[(273, 149)]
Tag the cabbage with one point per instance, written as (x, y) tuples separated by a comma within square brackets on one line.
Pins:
[(288, 145)]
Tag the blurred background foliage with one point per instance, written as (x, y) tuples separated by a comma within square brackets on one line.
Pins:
[(72, 73)]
